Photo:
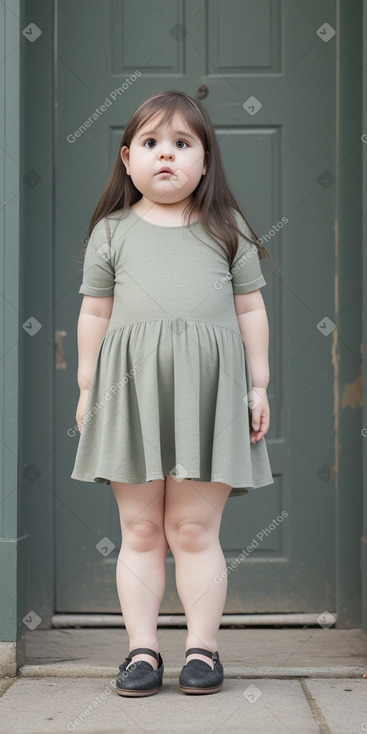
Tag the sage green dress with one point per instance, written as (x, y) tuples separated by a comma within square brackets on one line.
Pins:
[(170, 383)]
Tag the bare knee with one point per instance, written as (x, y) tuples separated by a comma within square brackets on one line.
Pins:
[(143, 536), (189, 535)]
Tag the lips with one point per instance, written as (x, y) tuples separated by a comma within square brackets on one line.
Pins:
[(165, 169)]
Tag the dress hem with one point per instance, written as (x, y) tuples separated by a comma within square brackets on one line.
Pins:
[(216, 478)]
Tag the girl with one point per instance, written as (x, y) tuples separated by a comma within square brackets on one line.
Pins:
[(173, 408)]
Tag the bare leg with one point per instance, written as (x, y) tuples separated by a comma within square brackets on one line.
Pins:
[(140, 569), (193, 513)]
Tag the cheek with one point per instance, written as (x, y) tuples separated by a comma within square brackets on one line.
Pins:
[(197, 167), (140, 165), (140, 158), (196, 161)]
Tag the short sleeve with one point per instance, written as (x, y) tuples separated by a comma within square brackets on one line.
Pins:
[(99, 264), (245, 268)]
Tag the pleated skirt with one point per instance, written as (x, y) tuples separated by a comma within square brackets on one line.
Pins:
[(170, 396)]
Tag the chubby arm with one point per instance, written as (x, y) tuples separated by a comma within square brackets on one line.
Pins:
[(254, 328), (93, 321)]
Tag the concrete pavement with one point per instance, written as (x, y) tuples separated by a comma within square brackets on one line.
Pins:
[(301, 681)]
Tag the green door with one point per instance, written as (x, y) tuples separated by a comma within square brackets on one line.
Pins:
[(266, 73)]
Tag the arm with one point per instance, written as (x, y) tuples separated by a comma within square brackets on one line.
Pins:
[(93, 321), (254, 328)]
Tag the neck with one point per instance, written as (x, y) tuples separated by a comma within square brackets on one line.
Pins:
[(156, 209)]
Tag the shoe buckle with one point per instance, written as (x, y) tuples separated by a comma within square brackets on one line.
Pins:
[(215, 657)]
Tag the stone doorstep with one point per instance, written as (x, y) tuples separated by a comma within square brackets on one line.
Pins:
[(70, 671)]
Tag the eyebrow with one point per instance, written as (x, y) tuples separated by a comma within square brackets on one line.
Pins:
[(177, 132)]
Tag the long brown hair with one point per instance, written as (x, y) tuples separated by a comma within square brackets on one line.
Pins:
[(212, 196)]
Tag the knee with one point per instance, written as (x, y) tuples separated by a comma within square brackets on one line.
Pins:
[(188, 535), (143, 535)]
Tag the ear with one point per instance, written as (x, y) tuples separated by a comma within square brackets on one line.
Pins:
[(125, 157)]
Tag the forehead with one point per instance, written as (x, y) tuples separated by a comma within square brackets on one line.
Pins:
[(177, 123)]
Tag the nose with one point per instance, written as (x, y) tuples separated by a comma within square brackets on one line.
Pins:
[(165, 152)]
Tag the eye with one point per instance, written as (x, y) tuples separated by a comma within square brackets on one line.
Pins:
[(154, 140)]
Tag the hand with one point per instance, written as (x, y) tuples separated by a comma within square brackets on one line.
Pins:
[(260, 416), (81, 408)]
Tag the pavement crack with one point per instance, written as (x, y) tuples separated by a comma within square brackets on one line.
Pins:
[(315, 709)]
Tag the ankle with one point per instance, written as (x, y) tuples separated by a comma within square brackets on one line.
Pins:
[(145, 655), (213, 647), (135, 644), (148, 659), (198, 656)]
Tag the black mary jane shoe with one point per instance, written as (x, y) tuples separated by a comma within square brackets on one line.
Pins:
[(139, 678), (198, 677)]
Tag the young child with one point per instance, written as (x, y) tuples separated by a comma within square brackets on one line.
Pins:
[(173, 371)]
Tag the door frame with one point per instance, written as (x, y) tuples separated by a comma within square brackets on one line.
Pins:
[(364, 321), (36, 364)]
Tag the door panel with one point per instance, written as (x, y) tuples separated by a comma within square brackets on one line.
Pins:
[(270, 80)]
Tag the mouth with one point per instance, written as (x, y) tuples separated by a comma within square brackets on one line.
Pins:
[(165, 170)]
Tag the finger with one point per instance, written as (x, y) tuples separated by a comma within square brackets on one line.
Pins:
[(255, 421), (262, 427), (264, 423)]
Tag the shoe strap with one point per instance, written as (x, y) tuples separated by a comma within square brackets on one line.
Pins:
[(213, 655), (142, 649)]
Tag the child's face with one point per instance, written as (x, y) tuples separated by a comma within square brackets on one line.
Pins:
[(182, 152)]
